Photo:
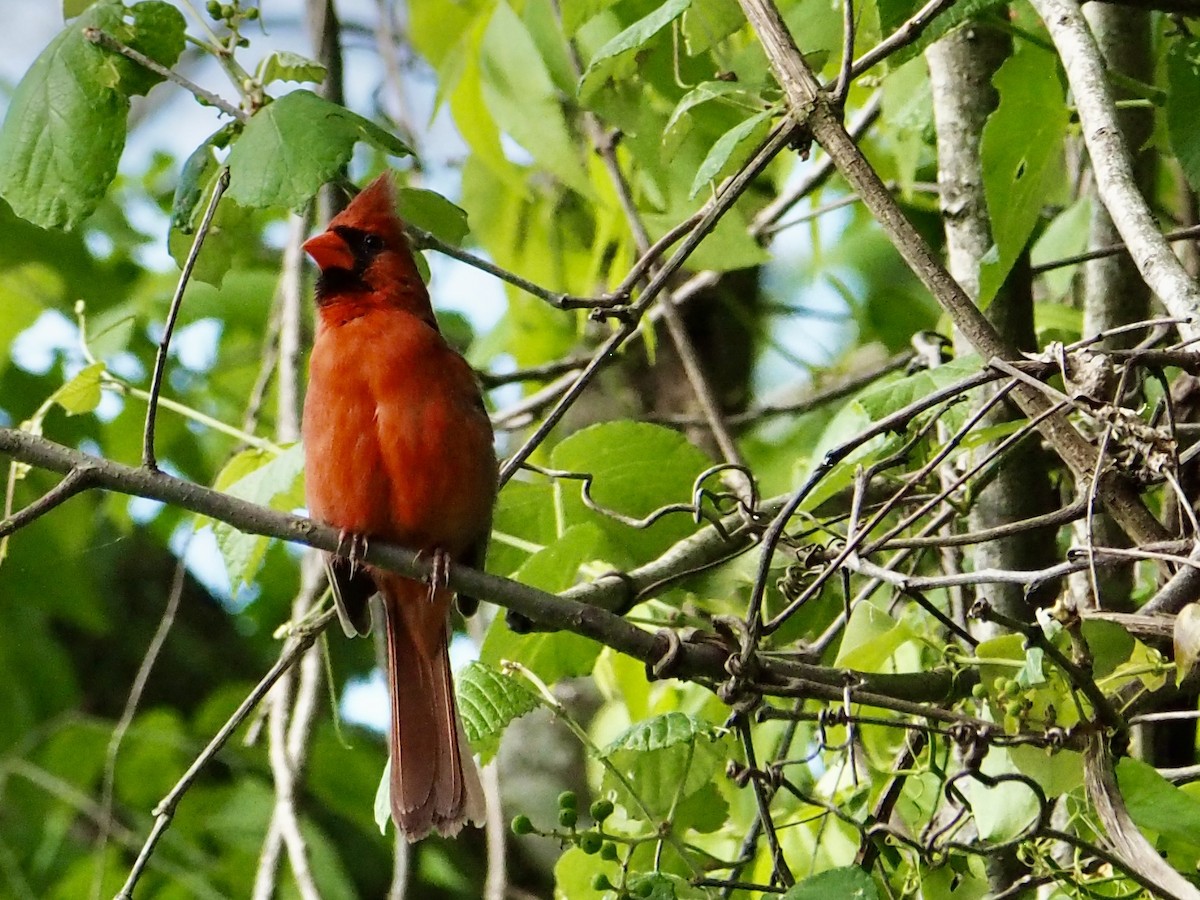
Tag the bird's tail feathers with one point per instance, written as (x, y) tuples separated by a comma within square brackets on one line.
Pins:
[(434, 780)]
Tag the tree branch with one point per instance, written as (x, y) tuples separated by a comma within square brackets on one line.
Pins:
[(808, 102), (1112, 166), (702, 659)]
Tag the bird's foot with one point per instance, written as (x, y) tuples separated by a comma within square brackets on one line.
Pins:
[(352, 548), (439, 572)]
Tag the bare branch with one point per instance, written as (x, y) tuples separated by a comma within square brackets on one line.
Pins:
[(76, 480), (160, 360), (1129, 845), (1111, 165), (807, 100), (207, 98)]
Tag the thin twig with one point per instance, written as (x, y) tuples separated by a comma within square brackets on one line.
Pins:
[(844, 73), (303, 638), (75, 481), (131, 704), (713, 211), (425, 240), (108, 42), (1179, 234), (160, 360), (908, 33)]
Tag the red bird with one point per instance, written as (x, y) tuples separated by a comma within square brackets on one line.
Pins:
[(398, 447)]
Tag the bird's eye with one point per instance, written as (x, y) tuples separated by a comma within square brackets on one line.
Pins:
[(372, 243)]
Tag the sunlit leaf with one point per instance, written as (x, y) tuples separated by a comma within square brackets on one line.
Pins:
[(293, 146)]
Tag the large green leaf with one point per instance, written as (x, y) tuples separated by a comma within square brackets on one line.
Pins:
[(720, 152), (65, 128), (635, 469), (521, 96), (1157, 805), (1021, 151), (296, 144), (1183, 99), (555, 655), (488, 701), (666, 759)]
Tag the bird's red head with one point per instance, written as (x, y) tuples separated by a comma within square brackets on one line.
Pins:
[(364, 256)]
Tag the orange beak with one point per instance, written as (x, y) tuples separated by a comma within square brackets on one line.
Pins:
[(329, 251)]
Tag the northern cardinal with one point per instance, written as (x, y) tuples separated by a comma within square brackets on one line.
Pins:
[(398, 447)]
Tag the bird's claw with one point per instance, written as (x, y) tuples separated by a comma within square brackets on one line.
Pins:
[(356, 551), (439, 572)]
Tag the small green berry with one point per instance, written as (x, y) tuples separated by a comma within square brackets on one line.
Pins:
[(567, 800), (601, 882), (227, 11), (590, 842), (979, 692), (567, 818), (601, 810), (608, 850), (252, 13), (213, 8), (243, 42), (522, 825)]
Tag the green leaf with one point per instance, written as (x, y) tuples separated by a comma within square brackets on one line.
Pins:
[(65, 128), (296, 144), (1157, 805), (577, 12), (1056, 772), (521, 96), (708, 23), (381, 808), (871, 639), (1066, 235), (1031, 673), (231, 239), (488, 701), (194, 179), (1021, 151), (266, 479), (639, 32), (666, 759), (556, 655), (882, 400), (434, 213), (848, 883), (635, 467), (82, 393), (701, 93), (25, 290), (158, 32), (723, 149), (1183, 99), (284, 65), (1007, 810)]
